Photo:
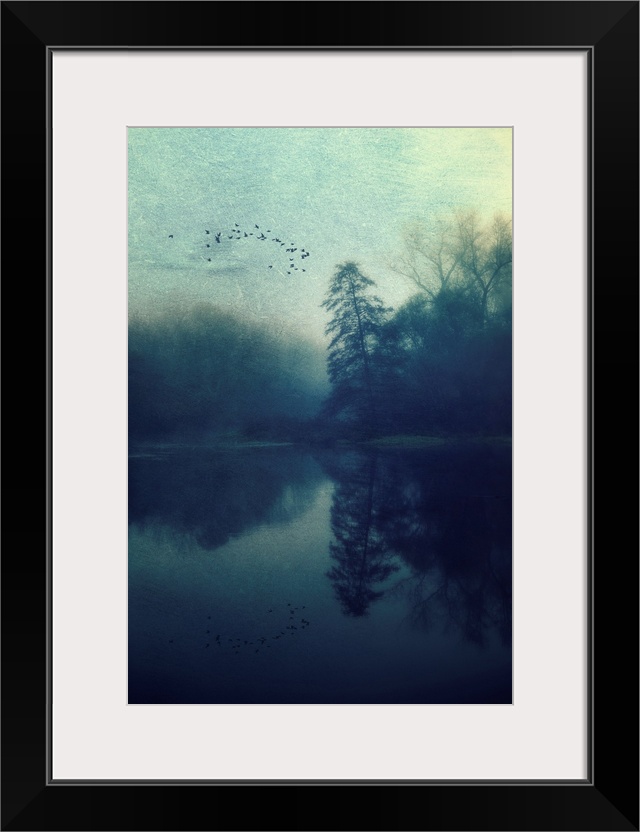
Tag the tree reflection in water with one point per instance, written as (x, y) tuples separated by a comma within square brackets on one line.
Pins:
[(446, 516), (214, 494), (361, 553)]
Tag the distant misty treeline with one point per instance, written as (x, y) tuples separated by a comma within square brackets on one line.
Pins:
[(208, 372), (439, 364)]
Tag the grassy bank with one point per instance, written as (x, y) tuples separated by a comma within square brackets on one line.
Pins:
[(436, 441)]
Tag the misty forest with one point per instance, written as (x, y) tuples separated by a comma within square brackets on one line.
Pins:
[(320, 400)]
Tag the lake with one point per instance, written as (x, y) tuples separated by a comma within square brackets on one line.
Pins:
[(289, 575)]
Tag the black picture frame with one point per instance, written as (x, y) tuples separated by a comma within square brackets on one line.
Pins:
[(608, 799)]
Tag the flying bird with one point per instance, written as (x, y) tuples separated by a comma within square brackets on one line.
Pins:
[(171, 236), (207, 232)]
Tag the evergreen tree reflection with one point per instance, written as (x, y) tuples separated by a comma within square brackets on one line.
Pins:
[(446, 517), (362, 558)]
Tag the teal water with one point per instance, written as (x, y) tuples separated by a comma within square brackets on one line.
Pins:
[(280, 575)]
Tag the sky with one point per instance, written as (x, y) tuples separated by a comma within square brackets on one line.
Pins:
[(341, 194)]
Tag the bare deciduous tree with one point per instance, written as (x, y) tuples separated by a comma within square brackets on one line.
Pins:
[(463, 254), (430, 259), (484, 255)]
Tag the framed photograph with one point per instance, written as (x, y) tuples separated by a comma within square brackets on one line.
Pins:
[(317, 464), (324, 315)]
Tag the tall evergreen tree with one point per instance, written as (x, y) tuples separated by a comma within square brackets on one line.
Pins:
[(355, 330)]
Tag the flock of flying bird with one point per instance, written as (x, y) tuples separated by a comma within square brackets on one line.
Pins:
[(238, 233), (236, 645)]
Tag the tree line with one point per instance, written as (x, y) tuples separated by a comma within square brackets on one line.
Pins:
[(206, 373), (438, 365), (441, 363)]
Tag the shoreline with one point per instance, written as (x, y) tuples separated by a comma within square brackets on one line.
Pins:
[(383, 442)]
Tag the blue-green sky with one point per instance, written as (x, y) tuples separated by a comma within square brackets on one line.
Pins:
[(339, 193)]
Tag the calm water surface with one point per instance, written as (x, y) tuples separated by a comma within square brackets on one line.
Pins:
[(283, 575)]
